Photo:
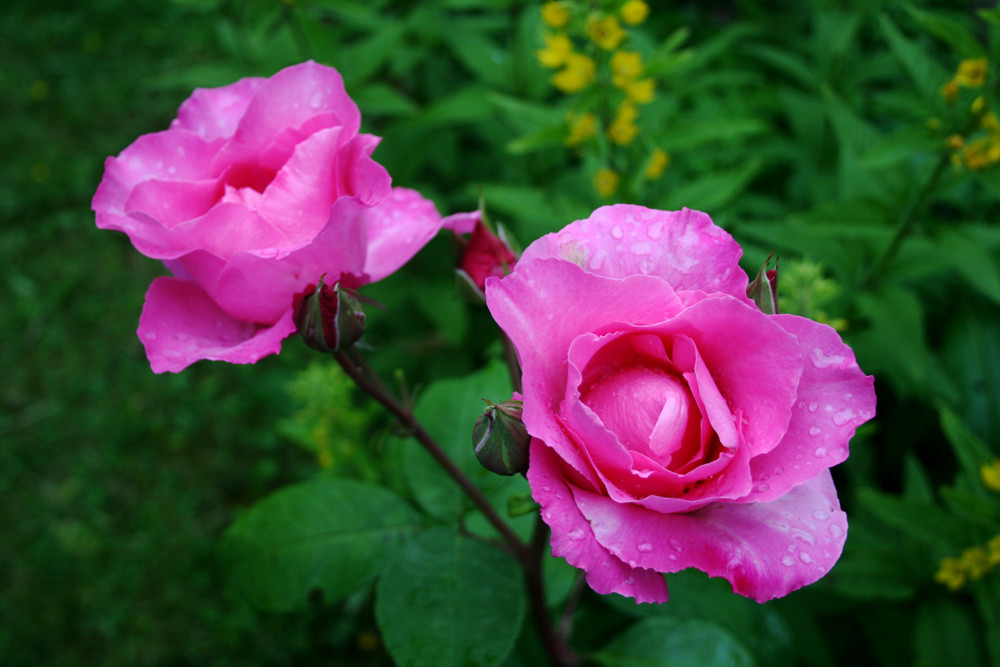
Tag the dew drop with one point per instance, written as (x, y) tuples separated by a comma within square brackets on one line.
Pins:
[(843, 417), (645, 547), (181, 151), (150, 335), (787, 561), (675, 544), (815, 430), (836, 531), (546, 488), (820, 515), (761, 488), (632, 563), (671, 557), (316, 100), (617, 232), (803, 536), (820, 452), (804, 557), (813, 406), (576, 534)]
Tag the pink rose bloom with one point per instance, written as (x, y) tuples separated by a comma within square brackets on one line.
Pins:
[(674, 424), (256, 190)]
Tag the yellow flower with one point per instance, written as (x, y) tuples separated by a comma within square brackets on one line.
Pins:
[(622, 131), (627, 112), (641, 92), (581, 127), (956, 141), (555, 14), (949, 92), (626, 67), (951, 573), (658, 163), (577, 75), (635, 12), (606, 181), (971, 73), (989, 473), (976, 562), (605, 32), (990, 123), (558, 48), (982, 153)]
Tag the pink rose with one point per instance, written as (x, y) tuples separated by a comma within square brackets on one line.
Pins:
[(674, 424), (255, 191)]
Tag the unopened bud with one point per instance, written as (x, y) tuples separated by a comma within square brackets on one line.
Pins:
[(764, 288), (328, 317), (500, 439), (484, 254)]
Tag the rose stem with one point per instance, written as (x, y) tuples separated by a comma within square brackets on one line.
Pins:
[(408, 421), (555, 643)]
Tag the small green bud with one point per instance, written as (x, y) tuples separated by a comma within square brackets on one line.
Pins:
[(764, 288), (500, 439)]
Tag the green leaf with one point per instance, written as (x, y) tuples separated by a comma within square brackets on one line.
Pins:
[(380, 99), (969, 450), (715, 190), (674, 642), (331, 534), (951, 32), (448, 409), (922, 521), (547, 137), (947, 633), (449, 600), (899, 147), (925, 71), (973, 261), (479, 54)]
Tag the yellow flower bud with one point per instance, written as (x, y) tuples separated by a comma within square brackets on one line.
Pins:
[(606, 181), (626, 66), (579, 72), (641, 92), (555, 14), (606, 32), (971, 73), (558, 48), (635, 12)]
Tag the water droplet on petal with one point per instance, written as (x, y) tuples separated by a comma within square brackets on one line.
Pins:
[(820, 452), (150, 335), (820, 515), (836, 531), (576, 534), (813, 406), (815, 430), (804, 557), (788, 561), (617, 232), (675, 544), (645, 547)]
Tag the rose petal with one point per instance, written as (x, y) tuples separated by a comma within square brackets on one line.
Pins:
[(573, 539), (287, 107), (398, 227), (180, 325), (684, 247), (259, 286), (834, 398), (765, 550), (215, 113), (462, 223)]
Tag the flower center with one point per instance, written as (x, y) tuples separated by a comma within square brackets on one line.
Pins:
[(649, 409)]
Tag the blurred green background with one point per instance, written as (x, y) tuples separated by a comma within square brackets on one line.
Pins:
[(816, 128)]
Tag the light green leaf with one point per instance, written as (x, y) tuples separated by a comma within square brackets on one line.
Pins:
[(925, 71), (331, 534), (449, 600)]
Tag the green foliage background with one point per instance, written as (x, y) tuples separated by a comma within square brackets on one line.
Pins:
[(797, 126)]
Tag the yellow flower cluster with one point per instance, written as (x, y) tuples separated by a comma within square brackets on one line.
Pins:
[(971, 73), (983, 150), (971, 565), (585, 45)]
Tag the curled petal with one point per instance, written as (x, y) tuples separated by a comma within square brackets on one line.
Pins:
[(573, 539), (398, 227), (180, 325), (214, 113), (764, 550)]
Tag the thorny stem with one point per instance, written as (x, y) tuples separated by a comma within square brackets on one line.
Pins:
[(906, 224), (374, 388)]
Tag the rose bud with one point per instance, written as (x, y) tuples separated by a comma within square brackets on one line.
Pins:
[(328, 317), (484, 254), (764, 288), (500, 439)]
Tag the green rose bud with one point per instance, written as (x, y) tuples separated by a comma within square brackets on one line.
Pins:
[(764, 288), (500, 439)]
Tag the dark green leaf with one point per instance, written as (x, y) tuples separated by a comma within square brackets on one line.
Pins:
[(674, 642), (449, 600), (330, 534)]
